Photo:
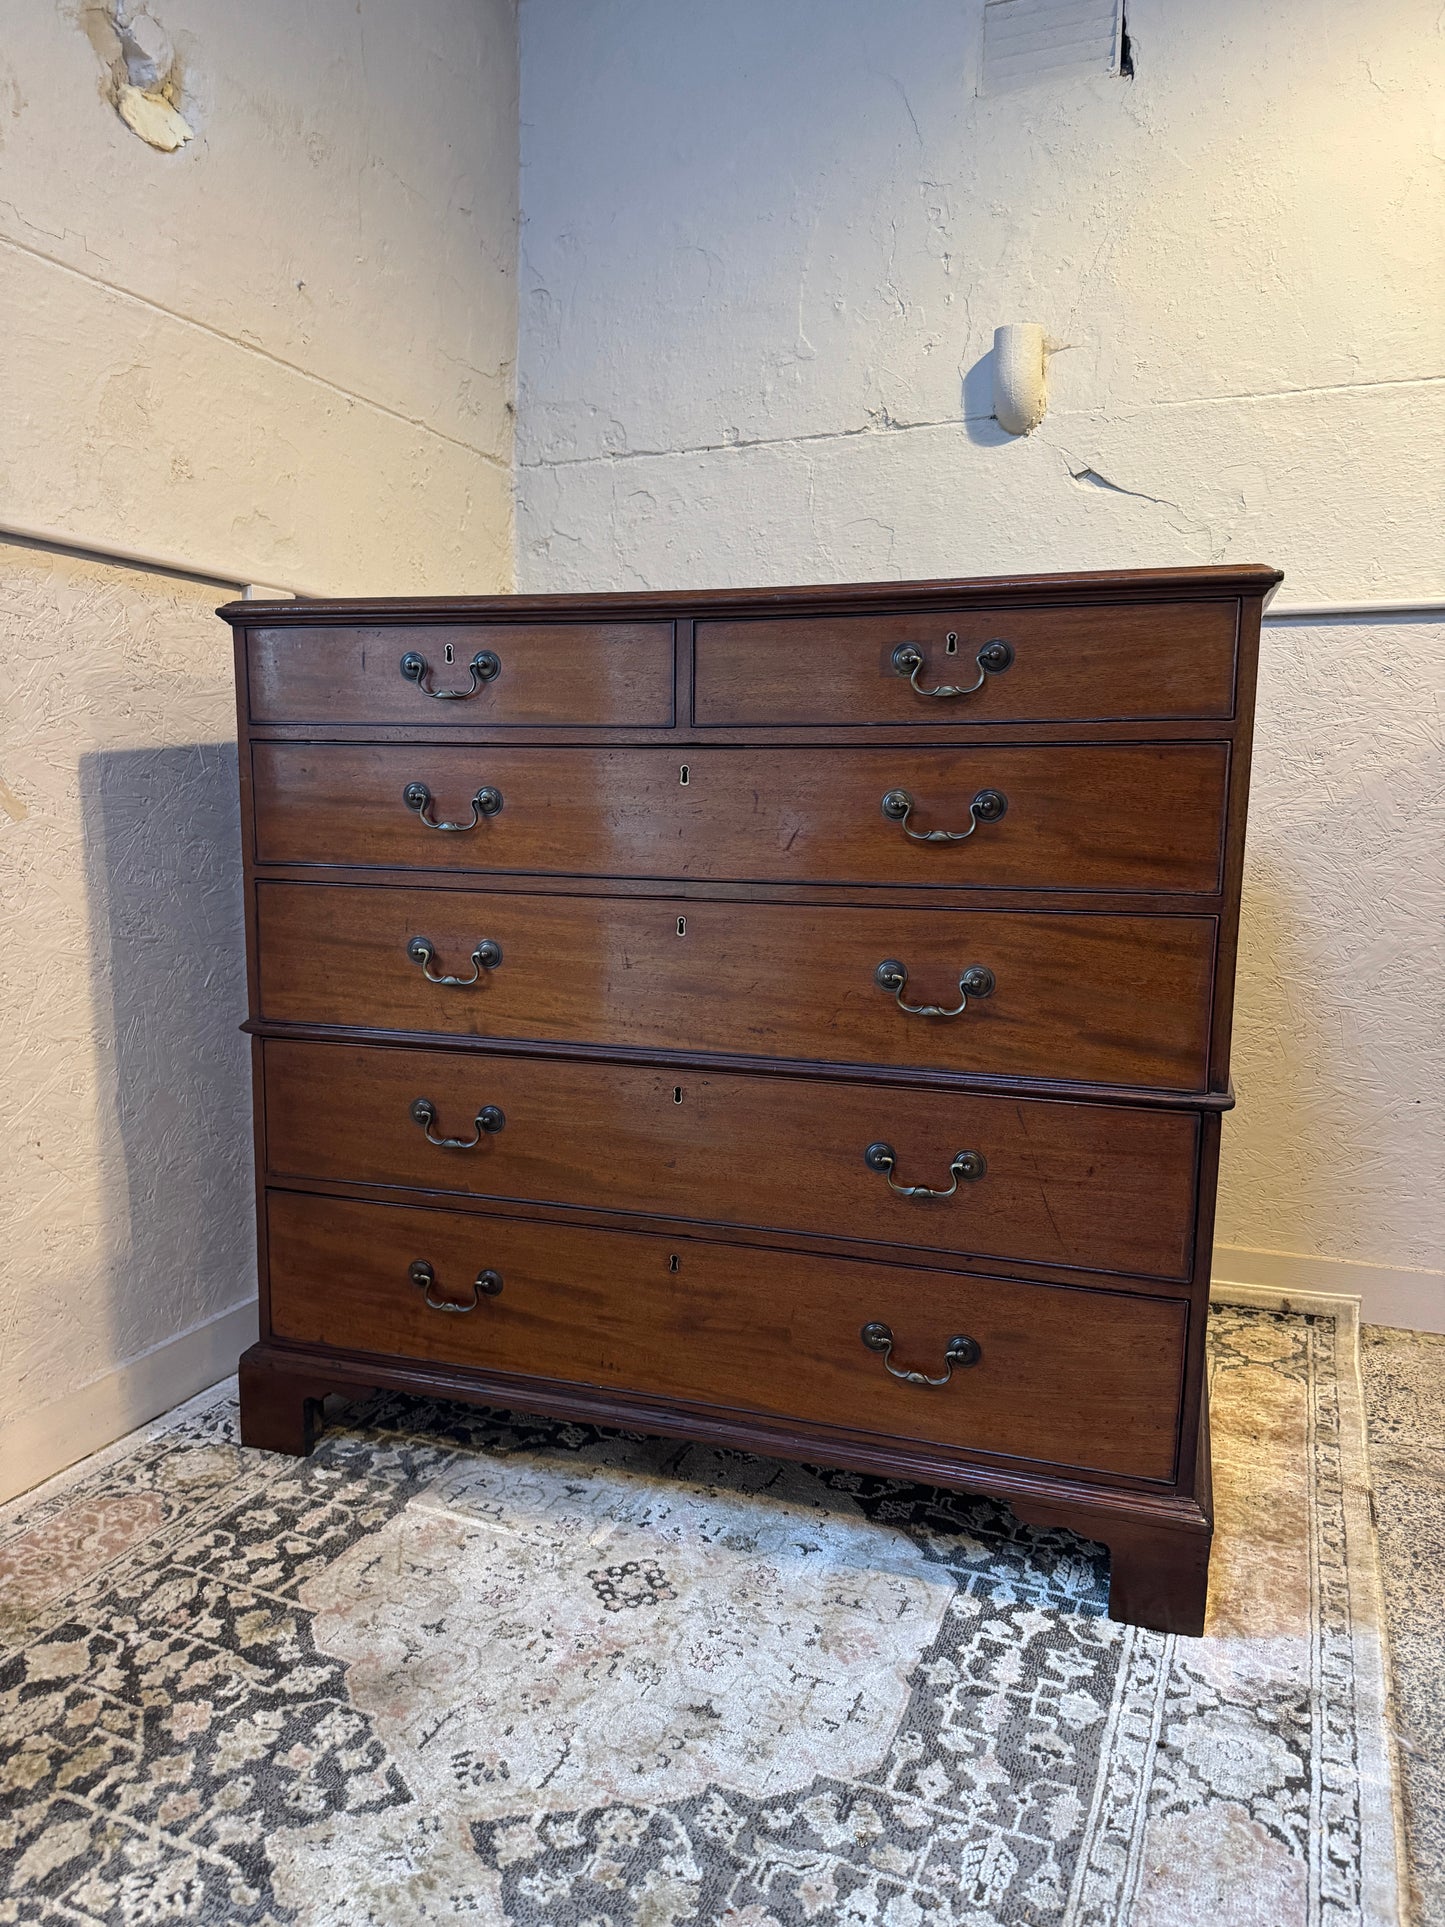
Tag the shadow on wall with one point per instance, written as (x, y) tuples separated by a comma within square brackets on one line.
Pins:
[(163, 885), (1279, 1156)]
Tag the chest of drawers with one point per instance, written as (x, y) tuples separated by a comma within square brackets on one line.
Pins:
[(796, 1019)]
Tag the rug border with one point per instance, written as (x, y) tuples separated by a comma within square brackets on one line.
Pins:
[(1384, 1861)]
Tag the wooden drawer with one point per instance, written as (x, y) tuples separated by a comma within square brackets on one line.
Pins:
[(1126, 663), (1096, 1187), (1075, 1377), (1109, 999), (1093, 817), (590, 674)]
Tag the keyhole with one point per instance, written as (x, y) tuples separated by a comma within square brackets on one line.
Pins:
[(683, 775), (672, 1262), (677, 1093), (682, 926), (950, 643), (449, 654)]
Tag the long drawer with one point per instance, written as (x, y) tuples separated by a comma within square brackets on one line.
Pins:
[(1096, 817), (1097, 1187), (1075, 1377), (1092, 663), (1101, 998), (465, 674)]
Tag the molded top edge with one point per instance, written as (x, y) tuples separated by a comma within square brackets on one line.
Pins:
[(1103, 585)]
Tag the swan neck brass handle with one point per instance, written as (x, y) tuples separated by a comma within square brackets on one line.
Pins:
[(486, 956), (977, 981), (968, 1165), (960, 1352), (484, 667), (488, 1120), (486, 1284), (486, 802), (987, 807), (992, 659)]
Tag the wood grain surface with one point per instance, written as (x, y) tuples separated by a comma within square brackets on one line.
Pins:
[(1120, 1000), (1135, 817), (1074, 1377), (1086, 1186)]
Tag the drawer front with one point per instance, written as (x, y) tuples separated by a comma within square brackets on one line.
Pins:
[(1094, 817), (1096, 1187), (1075, 1377), (1109, 999), (588, 674), (1135, 662)]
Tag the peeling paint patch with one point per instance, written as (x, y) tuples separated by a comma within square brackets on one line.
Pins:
[(153, 118)]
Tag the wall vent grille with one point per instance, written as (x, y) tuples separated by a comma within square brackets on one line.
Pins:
[(1027, 42)]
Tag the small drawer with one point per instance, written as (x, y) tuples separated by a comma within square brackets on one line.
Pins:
[(1084, 1378), (1089, 1186), (1097, 663), (1090, 817), (464, 675), (1109, 999)]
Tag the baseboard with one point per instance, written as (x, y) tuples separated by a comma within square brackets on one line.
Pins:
[(1387, 1295), (37, 1445)]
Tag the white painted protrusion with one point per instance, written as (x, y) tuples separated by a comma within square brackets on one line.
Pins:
[(1018, 376)]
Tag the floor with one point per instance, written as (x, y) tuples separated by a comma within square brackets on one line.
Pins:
[(1404, 1390), (1404, 1378)]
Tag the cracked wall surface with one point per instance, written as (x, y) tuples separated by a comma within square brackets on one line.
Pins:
[(286, 348), (764, 251)]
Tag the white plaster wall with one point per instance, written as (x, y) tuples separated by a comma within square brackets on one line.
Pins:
[(288, 345), (764, 250), (766, 246), (1337, 1147), (285, 350), (125, 1198)]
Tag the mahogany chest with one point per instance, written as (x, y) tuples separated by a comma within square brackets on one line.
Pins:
[(792, 1018)]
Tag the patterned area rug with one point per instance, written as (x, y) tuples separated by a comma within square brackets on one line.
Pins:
[(1404, 1374), (460, 1667)]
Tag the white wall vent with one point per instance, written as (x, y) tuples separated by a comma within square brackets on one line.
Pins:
[(1029, 41)]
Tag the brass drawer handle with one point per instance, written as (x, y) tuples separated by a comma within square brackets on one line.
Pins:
[(483, 667), (976, 981), (960, 1351), (992, 660), (486, 802), (967, 1165), (486, 1284), (488, 1119), (987, 807), (486, 956)]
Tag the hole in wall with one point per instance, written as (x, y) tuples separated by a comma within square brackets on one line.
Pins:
[(145, 75)]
